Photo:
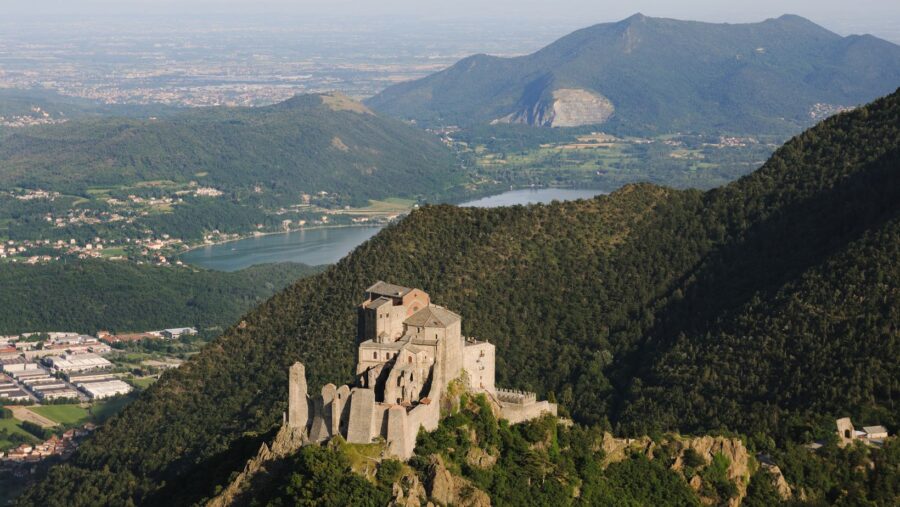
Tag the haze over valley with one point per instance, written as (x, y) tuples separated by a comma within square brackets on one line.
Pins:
[(429, 254)]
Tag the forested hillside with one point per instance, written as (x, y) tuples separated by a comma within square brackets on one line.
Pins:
[(33, 103), (763, 307), (652, 75), (87, 296), (308, 144)]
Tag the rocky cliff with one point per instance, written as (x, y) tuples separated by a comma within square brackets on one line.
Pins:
[(566, 107), (680, 451)]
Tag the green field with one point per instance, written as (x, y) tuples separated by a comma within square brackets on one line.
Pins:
[(113, 252), (607, 162), (388, 205), (75, 415), (143, 382), (63, 414), (11, 426)]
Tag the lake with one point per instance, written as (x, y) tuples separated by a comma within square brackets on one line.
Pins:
[(328, 245), (531, 196)]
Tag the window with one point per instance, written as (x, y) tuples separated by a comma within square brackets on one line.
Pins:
[(409, 359), (375, 355)]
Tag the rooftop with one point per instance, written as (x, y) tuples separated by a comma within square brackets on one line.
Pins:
[(432, 316), (379, 302), (388, 289)]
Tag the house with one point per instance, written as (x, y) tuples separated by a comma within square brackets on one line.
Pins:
[(178, 332), (847, 434), (875, 432)]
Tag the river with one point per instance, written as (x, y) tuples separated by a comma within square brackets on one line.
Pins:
[(328, 245)]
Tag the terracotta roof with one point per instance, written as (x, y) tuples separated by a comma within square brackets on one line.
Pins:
[(432, 316), (388, 289)]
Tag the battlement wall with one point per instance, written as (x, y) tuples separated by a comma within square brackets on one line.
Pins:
[(516, 397)]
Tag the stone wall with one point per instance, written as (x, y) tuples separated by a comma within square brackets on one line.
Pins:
[(516, 413), (479, 364)]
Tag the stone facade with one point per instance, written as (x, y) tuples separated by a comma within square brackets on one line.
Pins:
[(409, 351)]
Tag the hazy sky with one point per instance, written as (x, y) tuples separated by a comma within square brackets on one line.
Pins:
[(880, 17)]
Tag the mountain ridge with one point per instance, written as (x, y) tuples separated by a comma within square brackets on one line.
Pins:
[(663, 75), (284, 149)]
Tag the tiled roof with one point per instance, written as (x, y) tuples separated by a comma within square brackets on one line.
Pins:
[(388, 289), (432, 316)]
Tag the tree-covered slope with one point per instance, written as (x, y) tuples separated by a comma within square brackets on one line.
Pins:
[(34, 102), (664, 75), (308, 144), (86, 296), (756, 307)]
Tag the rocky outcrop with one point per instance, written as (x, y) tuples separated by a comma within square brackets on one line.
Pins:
[(566, 107), (573, 107), (447, 489), (286, 442), (618, 449), (477, 457), (707, 447), (408, 492), (778, 480)]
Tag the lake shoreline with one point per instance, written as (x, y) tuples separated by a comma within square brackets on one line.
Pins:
[(271, 233), (316, 246)]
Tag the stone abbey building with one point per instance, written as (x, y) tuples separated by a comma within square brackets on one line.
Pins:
[(409, 351)]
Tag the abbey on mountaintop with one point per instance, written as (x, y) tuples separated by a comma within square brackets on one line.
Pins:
[(410, 351)]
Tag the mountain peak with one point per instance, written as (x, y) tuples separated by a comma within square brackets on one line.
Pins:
[(793, 17)]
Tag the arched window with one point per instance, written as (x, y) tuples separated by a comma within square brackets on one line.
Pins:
[(375, 355), (846, 433), (409, 359)]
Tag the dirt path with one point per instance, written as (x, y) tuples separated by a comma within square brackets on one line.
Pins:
[(23, 414)]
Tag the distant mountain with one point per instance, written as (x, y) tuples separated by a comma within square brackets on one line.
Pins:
[(310, 143), (661, 75), (763, 307)]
